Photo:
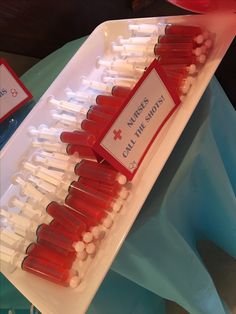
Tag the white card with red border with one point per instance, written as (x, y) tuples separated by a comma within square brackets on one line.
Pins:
[(129, 135), (13, 93)]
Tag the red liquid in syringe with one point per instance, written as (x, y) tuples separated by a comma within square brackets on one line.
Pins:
[(82, 151), (86, 209), (120, 91), (50, 254), (184, 30), (67, 218), (163, 60), (49, 271), (82, 138), (99, 172), (179, 50), (92, 127), (112, 190), (40, 267), (175, 39), (93, 198), (61, 239)]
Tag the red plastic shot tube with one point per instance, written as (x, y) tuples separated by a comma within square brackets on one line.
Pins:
[(78, 138), (177, 39), (180, 50), (98, 116), (175, 60), (92, 126), (66, 217), (179, 68), (96, 171), (176, 78), (90, 198), (47, 270), (70, 255), (91, 190), (83, 151), (42, 251), (120, 91), (87, 221), (63, 240), (110, 110), (108, 189), (184, 30), (109, 100), (57, 227), (88, 210)]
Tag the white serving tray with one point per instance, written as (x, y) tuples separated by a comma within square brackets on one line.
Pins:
[(50, 298)]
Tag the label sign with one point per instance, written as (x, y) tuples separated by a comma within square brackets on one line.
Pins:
[(13, 94), (133, 130)]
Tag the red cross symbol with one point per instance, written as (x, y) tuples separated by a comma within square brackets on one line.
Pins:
[(13, 92), (117, 135)]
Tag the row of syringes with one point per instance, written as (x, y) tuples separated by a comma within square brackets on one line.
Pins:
[(70, 198), (48, 236)]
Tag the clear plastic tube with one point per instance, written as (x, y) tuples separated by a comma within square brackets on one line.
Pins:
[(96, 85), (96, 171), (67, 218), (50, 147), (50, 254), (90, 197), (86, 209), (82, 138), (120, 91), (27, 210), (49, 271), (82, 151)]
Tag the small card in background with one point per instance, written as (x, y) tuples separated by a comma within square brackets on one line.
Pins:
[(13, 93)]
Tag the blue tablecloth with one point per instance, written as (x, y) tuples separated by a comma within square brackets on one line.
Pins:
[(193, 199)]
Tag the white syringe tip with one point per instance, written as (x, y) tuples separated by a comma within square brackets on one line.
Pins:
[(87, 237), (90, 248), (116, 47), (74, 282), (79, 246), (199, 39), (97, 64), (42, 127), (208, 43), (203, 49), (4, 213), (16, 179), (102, 234), (190, 80), (121, 179), (182, 98), (202, 59), (53, 112), (198, 51), (117, 207), (51, 100), (185, 88), (107, 222), (96, 232), (12, 201), (124, 193), (83, 80), (32, 130), (81, 255), (192, 69)]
